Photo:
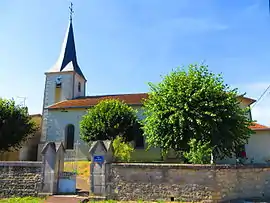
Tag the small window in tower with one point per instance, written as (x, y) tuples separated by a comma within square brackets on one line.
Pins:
[(58, 82), (79, 87)]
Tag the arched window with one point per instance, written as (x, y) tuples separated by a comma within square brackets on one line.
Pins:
[(70, 136), (79, 87)]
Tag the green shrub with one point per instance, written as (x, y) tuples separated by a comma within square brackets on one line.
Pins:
[(199, 153), (122, 150)]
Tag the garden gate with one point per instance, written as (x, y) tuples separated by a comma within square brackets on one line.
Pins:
[(67, 178)]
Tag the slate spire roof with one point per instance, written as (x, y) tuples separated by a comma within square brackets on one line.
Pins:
[(67, 60)]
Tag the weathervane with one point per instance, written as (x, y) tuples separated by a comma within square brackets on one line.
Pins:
[(71, 11)]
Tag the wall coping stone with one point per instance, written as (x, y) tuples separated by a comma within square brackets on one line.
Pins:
[(189, 166), (21, 163)]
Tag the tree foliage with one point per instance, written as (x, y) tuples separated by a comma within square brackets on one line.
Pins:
[(107, 120), (122, 150), (199, 153), (15, 125), (195, 104)]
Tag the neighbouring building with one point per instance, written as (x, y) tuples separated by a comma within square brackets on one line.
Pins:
[(29, 149), (65, 102)]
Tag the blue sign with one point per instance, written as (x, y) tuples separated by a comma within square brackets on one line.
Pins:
[(99, 159)]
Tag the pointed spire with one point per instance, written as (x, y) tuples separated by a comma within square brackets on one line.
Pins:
[(67, 60)]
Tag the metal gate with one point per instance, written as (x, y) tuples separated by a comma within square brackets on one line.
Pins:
[(67, 178)]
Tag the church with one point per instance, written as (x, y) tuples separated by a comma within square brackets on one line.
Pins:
[(65, 103)]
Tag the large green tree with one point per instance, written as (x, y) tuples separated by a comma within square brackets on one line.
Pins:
[(15, 125), (195, 103), (107, 120)]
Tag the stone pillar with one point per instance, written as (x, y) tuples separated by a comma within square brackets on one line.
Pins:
[(101, 156), (60, 156), (49, 164)]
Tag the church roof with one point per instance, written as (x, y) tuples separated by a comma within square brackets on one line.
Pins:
[(131, 99), (67, 60), (85, 102)]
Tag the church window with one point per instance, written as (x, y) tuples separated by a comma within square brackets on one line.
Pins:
[(70, 136), (79, 87)]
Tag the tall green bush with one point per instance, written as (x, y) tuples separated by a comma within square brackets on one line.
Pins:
[(199, 153), (122, 150)]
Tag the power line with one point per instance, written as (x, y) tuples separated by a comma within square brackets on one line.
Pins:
[(262, 93)]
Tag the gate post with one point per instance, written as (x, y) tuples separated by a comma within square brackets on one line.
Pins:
[(101, 157), (53, 164), (49, 161)]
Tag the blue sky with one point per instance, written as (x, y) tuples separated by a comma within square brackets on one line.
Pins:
[(122, 45)]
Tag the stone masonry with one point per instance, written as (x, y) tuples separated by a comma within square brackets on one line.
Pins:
[(20, 178), (133, 181)]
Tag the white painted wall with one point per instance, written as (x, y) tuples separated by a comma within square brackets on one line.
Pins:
[(258, 147), (49, 94), (67, 84), (58, 120)]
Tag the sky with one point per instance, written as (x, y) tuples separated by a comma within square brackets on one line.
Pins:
[(122, 45)]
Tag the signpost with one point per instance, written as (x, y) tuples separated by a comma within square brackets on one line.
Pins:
[(99, 159), (100, 153)]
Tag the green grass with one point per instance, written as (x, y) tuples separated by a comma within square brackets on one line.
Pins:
[(83, 168), (40, 200), (22, 200)]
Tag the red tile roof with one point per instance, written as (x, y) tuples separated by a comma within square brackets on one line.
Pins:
[(259, 127), (84, 102), (131, 99)]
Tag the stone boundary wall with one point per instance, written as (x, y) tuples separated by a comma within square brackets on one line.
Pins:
[(20, 178), (133, 181)]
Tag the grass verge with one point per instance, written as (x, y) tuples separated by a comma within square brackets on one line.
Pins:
[(22, 200)]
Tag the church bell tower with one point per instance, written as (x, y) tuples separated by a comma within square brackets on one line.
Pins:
[(65, 80)]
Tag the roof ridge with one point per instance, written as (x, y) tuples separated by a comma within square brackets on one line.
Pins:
[(109, 95)]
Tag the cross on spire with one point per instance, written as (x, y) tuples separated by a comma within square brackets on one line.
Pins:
[(71, 11)]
